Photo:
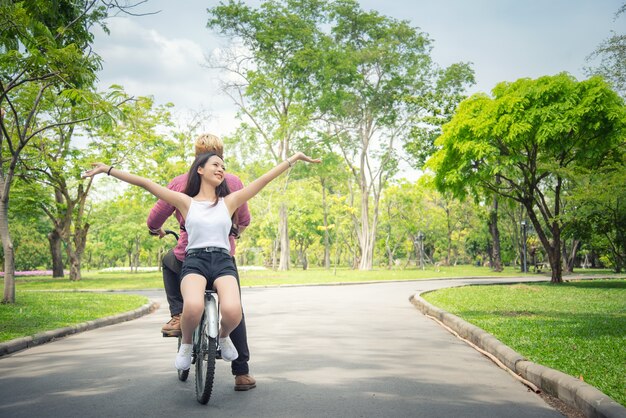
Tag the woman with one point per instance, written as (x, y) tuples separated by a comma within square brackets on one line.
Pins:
[(207, 207)]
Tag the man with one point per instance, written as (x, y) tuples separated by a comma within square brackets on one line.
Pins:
[(172, 262)]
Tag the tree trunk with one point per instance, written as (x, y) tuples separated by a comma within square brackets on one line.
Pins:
[(284, 238), (136, 254), (274, 255), (619, 248), (326, 231), (551, 246), (327, 250), (160, 255), (74, 268), (555, 264), (9, 260), (305, 260), (337, 255), (367, 255), (569, 257), (554, 254), (365, 238), (79, 242), (73, 260), (495, 237), (356, 259), (56, 252)]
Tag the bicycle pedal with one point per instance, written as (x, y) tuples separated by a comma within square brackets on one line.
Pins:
[(218, 354)]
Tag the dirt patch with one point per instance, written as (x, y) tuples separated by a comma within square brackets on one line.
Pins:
[(562, 407)]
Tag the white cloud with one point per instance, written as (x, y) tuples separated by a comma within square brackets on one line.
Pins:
[(170, 69)]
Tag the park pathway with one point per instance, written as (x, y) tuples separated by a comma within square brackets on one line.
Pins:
[(358, 350)]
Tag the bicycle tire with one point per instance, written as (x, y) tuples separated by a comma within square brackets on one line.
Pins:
[(205, 363), (182, 374)]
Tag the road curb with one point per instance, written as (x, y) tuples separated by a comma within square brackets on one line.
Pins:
[(575, 393), (19, 344)]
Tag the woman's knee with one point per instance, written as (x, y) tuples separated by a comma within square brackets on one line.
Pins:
[(231, 311), (193, 307)]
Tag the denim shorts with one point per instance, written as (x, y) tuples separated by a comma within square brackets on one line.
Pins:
[(211, 265)]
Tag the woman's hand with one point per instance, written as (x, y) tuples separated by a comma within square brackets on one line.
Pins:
[(97, 169), (300, 156)]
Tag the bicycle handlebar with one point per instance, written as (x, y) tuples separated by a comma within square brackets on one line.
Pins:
[(170, 232)]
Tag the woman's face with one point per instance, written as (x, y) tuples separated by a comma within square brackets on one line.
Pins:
[(213, 170)]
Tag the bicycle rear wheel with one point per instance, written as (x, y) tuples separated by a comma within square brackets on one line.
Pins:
[(182, 374), (205, 363)]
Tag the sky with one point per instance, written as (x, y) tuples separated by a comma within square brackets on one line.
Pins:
[(162, 55)]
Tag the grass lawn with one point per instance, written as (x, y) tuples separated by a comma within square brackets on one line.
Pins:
[(578, 327), (34, 312), (153, 280)]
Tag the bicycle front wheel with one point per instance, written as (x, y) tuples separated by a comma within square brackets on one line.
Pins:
[(205, 364)]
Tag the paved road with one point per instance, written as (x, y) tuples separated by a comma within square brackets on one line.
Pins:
[(320, 351)]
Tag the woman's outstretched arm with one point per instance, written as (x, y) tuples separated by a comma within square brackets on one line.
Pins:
[(180, 200), (238, 198)]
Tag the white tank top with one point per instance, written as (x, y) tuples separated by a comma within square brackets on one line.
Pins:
[(208, 225)]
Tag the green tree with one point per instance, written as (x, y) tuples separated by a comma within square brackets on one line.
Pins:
[(57, 161), (269, 79), (44, 48), (533, 134), (306, 216), (511, 222), (600, 212), (52, 162), (402, 218), (29, 226), (459, 220), (147, 130), (331, 176), (378, 82)]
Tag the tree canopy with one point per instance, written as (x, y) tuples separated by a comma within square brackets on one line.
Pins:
[(532, 135)]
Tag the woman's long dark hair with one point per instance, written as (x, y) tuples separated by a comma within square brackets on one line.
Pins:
[(194, 180)]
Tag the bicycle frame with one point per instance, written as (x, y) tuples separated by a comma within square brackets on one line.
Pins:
[(212, 313)]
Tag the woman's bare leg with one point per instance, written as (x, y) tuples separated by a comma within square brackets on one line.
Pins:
[(230, 304), (230, 310), (192, 288)]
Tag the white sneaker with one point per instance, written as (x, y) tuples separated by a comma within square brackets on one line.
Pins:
[(229, 352), (183, 357)]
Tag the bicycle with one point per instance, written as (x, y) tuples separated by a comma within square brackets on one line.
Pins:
[(204, 345)]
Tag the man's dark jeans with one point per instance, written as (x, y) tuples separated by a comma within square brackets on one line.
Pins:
[(239, 337)]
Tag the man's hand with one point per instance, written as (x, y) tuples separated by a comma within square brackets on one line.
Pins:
[(160, 232)]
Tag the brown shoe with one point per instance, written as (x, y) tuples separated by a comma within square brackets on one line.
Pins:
[(244, 382), (172, 328)]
